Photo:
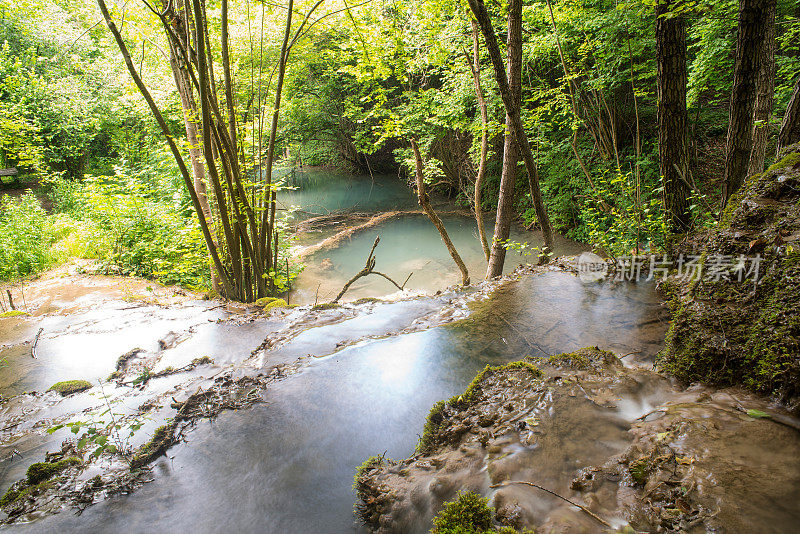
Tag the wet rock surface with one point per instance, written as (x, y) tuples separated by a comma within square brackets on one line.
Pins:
[(624, 443)]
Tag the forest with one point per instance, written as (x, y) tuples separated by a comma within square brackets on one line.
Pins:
[(335, 214)]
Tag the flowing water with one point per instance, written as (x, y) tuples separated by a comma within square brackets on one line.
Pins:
[(366, 378), (287, 465)]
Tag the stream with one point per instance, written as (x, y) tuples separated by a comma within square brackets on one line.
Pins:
[(362, 378)]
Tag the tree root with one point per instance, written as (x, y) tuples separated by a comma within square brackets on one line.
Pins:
[(573, 503)]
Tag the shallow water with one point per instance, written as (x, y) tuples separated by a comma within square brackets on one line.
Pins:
[(409, 244), (287, 465)]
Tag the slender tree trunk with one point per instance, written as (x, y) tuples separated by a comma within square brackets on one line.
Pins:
[(790, 127), (765, 96), (752, 28), (673, 119), (505, 200), (219, 267), (513, 109), (476, 74), (425, 203)]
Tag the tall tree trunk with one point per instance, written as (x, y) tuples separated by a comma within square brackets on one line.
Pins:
[(425, 203), (790, 127), (475, 66), (752, 27), (513, 109), (765, 96), (673, 119)]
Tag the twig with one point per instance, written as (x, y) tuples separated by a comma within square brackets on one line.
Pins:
[(35, 341), (368, 269), (589, 512)]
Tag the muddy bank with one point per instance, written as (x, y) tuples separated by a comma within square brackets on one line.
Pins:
[(623, 443)]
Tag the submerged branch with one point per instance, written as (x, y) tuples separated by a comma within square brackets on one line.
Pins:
[(368, 269)]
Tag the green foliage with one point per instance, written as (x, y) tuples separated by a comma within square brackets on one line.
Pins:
[(468, 514), (26, 237)]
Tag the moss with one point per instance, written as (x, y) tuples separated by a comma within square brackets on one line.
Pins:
[(68, 387), (162, 438), (203, 360), (367, 300), (370, 463), (789, 160), (12, 313), (42, 471), (325, 306), (573, 360), (468, 514), (437, 415), (19, 491), (269, 303), (639, 470)]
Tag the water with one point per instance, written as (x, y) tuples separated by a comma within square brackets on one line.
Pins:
[(319, 192), (409, 244), (287, 465)]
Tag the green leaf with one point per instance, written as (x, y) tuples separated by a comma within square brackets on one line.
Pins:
[(758, 414)]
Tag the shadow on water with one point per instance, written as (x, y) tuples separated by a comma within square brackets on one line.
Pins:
[(287, 465)]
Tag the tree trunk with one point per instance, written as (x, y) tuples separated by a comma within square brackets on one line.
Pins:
[(752, 27), (790, 127), (476, 74), (425, 204), (673, 118), (513, 109), (765, 96), (505, 204)]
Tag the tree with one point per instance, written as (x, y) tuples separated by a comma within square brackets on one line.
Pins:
[(475, 67), (672, 115), (765, 95), (425, 204), (514, 119), (245, 259), (752, 29), (790, 127)]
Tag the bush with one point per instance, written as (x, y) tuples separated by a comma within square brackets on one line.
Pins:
[(26, 236)]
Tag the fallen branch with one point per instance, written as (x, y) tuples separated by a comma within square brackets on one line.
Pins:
[(573, 503), (35, 342), (368, 269), (531, 344)]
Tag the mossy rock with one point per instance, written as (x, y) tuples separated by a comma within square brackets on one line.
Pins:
[(41, 471), (68, 387), (13, 313), (439, 411), (269, 303), (325, 306), (585, 359), (162, 439), (730, 332), (20, 490)]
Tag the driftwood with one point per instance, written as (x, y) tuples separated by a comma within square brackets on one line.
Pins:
[(36, 342), (368, 269), (371, 222)]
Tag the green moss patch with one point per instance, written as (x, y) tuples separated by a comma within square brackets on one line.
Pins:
[(468, 514), (269, 303), (41, 471), (325, 306), (162, 439), (13, 313), (68, 387)]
